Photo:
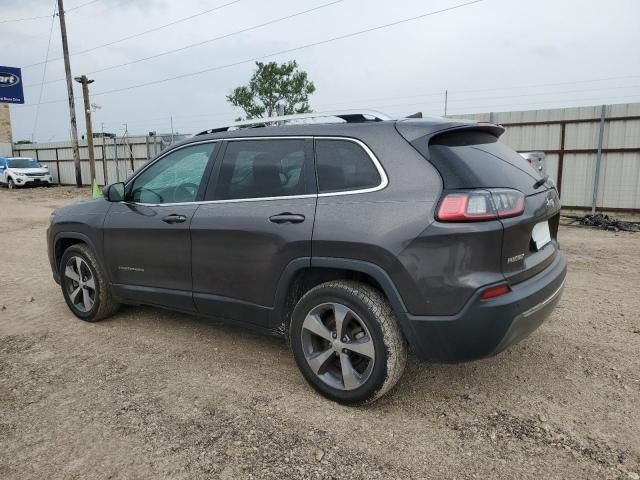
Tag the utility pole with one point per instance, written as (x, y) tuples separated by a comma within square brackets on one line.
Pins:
[(596, 180), (172, 140), (87, 119), (72, 105), (446, 98)]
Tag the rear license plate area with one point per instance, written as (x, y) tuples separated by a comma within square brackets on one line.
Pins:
[(541, 235)]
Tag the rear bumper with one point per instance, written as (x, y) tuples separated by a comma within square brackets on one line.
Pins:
[(485, 328)]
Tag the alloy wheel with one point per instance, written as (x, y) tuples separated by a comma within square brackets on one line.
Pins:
[(338, 346), (80, 284)]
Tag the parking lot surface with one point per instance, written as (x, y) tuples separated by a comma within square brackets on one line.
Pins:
[(156, 394)]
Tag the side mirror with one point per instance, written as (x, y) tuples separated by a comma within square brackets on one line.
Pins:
[(114, 192)]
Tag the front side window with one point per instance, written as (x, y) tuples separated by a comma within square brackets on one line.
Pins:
[(262, 168), (343, 165), (175, 178)]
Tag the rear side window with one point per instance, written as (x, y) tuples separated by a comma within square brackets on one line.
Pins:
[(343, 165), (262, 168), (476, 159)]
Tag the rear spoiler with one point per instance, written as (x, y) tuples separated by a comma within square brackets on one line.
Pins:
[(417, 132)]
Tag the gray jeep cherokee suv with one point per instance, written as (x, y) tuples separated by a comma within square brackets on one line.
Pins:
[(356, 241)]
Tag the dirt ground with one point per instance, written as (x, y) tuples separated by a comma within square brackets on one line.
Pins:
[(156, 394)]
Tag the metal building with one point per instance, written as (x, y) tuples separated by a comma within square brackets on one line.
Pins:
[(570, 138)]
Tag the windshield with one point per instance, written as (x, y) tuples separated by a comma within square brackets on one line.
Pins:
[(23, 163)]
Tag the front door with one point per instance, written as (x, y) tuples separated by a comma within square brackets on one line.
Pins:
[(258, 218), (146, 237)]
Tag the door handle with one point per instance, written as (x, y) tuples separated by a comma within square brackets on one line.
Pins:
[(173, 218), (287, 217)]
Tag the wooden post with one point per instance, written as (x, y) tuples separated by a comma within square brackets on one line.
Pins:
[(87, 117)]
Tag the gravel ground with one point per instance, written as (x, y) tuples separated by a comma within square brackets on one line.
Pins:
[(156, 394)]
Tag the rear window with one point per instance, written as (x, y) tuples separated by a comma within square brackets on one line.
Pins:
[(343, 165), (476, 159)]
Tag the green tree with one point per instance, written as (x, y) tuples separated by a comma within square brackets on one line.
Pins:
[(272, 85)]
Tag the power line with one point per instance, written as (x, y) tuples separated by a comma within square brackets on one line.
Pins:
[(211, 40), (458, 100), (44, 72), (39, 17), (67, 10), (136, 35), (289, 50), (510, 105), (440, 93)]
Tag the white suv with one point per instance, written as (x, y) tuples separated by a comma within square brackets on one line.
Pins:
[(20, 171)]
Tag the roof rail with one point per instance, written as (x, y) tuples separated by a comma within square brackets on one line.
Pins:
[(349, 116)]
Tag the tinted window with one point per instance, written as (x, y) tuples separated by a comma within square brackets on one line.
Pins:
[(262, 168), (344, 165), (175, 178), (476, 159), (22, 163)]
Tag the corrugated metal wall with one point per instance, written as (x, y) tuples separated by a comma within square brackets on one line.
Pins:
[(114, 157), (569, 137)]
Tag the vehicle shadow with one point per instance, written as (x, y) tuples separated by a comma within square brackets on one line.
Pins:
[(428, 382)]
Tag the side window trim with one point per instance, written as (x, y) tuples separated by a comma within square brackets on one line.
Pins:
[(199, 195), (210, 177), (384, 180)]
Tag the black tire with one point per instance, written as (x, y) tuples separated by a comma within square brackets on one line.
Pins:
[(371, 316), (11, 184), (102, 303)]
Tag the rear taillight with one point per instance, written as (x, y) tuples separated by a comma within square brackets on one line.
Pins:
[(476, 205)]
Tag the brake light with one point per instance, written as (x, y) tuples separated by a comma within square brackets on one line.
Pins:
[(493, 292), (476, 205)]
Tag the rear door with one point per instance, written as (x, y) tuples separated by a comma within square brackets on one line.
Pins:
[(475, 159), (258, 218), (147, 242)]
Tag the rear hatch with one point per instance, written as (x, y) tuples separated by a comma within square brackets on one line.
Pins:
[(472, 158)]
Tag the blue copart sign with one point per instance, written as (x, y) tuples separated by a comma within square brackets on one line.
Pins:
[(11, 85)]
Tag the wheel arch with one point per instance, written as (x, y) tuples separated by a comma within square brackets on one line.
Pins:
[(64, 240), (301, 275)]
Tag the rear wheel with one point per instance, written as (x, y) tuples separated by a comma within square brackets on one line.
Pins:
[(84, 285), (346, 342)]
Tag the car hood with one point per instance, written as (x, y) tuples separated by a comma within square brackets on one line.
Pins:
[(41, 171)]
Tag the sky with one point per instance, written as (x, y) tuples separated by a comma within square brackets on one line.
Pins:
[(490, 55)]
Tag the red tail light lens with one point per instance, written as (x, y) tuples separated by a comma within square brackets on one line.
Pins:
[(493, 292), (509, 203), (478, 205)]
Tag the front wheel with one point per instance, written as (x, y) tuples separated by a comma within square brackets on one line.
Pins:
[(11, 184), (84, 285), (346, 342)]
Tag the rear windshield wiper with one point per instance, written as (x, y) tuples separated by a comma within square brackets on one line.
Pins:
[(540, 182)]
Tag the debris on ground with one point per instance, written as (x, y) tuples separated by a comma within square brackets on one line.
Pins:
[(603, 222)]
